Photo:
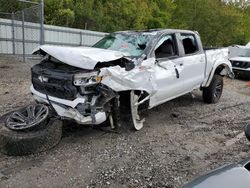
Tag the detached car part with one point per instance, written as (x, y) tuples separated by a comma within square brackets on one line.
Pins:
[(33, 116), (29, 130)]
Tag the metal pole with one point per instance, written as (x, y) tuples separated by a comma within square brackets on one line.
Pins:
[(80, 38), (42, 22), (13, 33), (23, 36)]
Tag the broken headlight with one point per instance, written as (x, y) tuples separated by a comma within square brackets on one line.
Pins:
[(81, 79)]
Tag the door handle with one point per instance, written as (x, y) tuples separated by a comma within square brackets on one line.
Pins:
[(177, 72)]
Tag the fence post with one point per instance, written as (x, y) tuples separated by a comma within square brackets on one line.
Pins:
[(80, 38), (42, 22), (23, 36), (13, 33)]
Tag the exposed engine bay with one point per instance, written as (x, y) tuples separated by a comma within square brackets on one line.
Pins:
[(59, 80)]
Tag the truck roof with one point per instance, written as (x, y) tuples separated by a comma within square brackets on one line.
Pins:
[(157, 31)]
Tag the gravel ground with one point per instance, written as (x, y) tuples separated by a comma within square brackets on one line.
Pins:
[(181, 140)]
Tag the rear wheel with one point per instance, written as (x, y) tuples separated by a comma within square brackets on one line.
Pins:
[(247, 131), (213, 92)]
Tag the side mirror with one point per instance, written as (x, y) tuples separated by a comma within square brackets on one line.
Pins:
[(247, 131)]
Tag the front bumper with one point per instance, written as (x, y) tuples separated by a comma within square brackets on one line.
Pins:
[(67, 108), (245, 73)]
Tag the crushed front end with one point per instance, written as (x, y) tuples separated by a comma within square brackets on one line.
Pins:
[(73, 92)]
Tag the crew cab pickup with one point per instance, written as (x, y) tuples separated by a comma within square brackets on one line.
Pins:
[(126, 73)]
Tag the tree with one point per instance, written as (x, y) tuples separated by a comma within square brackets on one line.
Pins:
[(217, 22), (59, 12), (161, 13), (124, 15)]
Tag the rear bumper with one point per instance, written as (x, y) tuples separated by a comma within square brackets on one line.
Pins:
[(67, 108)]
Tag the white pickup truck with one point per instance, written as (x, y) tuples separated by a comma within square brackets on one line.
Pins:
[(125, 73)]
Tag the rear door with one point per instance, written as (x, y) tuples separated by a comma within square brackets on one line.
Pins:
[(192, 62)]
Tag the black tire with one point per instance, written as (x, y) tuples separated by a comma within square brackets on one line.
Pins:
[(18, 143), (213, 92), (247, 131)]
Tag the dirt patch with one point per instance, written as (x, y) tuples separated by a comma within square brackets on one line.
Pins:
[(181, 140)]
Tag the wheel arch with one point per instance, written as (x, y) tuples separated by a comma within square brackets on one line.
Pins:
[(223, 68), (145, 97)]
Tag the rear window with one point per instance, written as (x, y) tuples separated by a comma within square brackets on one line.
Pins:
[(189, 43)]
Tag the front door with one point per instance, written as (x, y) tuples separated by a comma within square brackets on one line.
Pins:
[(167, 74)]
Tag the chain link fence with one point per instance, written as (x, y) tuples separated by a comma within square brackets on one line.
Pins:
[(27, 30), (21, 31), (6, 35)]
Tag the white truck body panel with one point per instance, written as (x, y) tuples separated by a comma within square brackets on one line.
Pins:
[(215, 58)]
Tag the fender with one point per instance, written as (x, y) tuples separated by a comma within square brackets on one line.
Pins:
[(140, 78), (222, 67)]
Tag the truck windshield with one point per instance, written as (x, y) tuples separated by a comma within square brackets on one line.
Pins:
[(132, 44)]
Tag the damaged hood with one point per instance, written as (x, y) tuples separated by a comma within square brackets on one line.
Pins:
[(81, 57)]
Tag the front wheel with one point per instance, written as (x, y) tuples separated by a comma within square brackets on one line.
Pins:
[(213, 92)]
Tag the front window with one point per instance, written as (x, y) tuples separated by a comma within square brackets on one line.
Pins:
[(166, 47), (131, 44)]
